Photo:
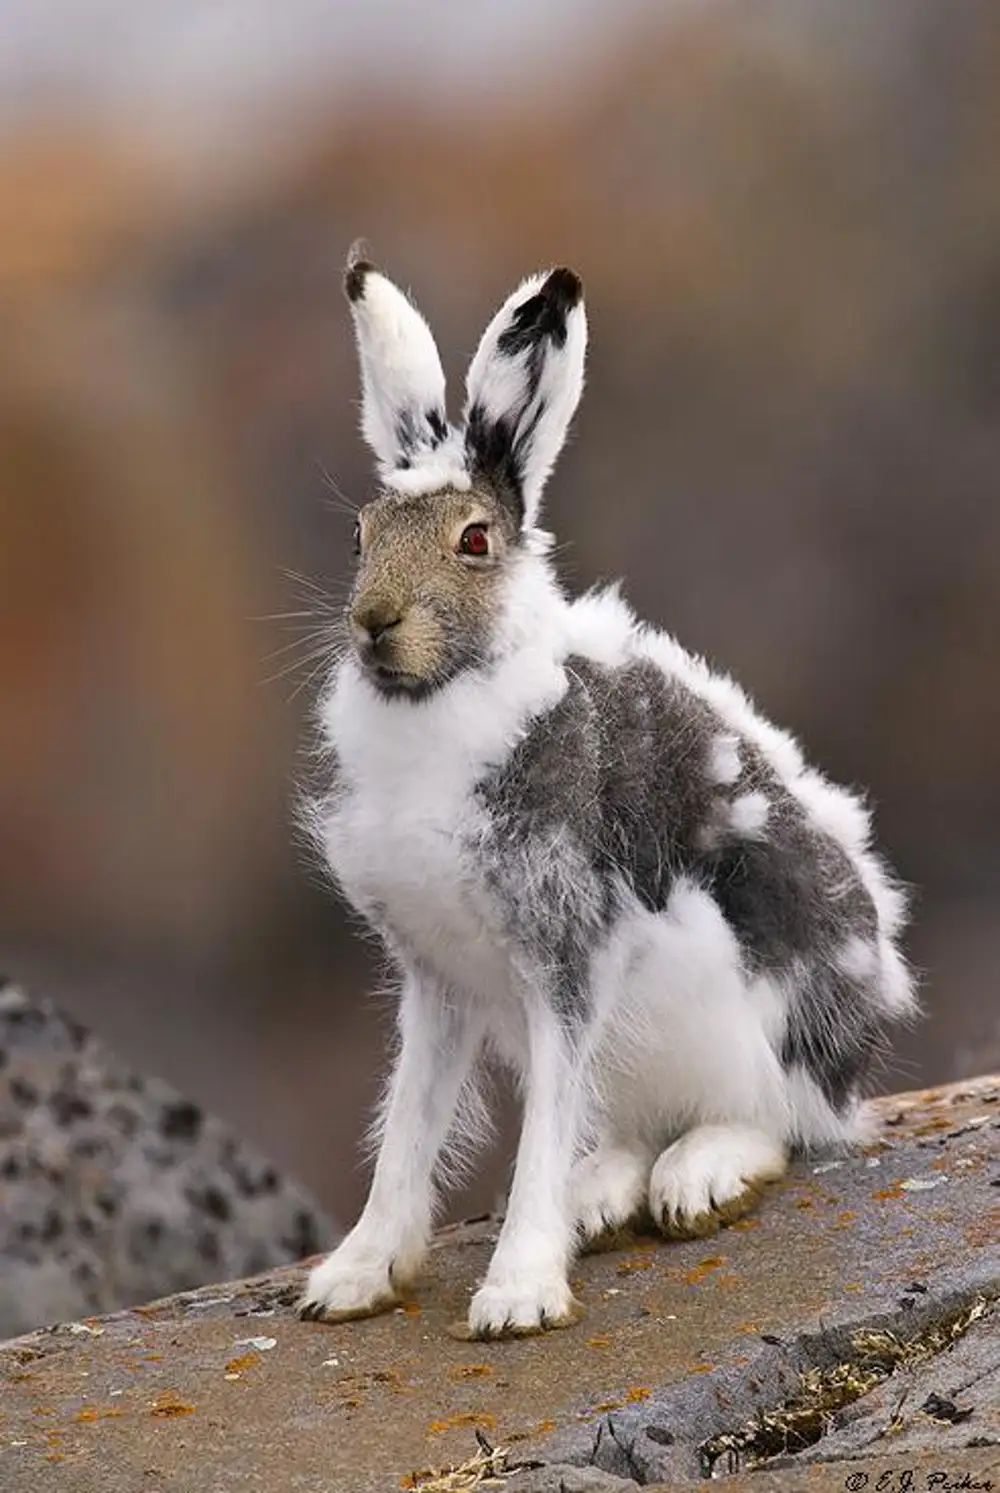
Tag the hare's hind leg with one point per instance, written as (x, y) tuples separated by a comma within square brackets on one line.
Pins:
[(609, 1190), (711, 1176), (694, 1040)]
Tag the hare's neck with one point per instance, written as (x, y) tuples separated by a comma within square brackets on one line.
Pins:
[(534, 612), (473, 720)]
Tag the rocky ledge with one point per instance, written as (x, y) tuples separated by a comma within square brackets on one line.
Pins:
[(845, 1337)]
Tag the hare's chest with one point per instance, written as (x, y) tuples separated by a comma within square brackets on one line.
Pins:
[(403, 861)]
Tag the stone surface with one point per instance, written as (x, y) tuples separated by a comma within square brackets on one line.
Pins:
[(224, 1388), (114, 1188)]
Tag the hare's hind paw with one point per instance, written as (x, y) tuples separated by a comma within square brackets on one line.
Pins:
[(609, 1196), (710, 1177)]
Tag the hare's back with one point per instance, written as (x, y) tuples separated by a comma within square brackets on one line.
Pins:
[(635, 780)]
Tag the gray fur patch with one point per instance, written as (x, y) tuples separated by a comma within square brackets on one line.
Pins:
[(614, 793)]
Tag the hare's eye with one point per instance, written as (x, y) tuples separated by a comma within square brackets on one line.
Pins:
[(357, 538), (475, 540)]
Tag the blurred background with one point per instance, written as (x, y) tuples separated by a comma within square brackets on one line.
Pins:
[(788, 219)]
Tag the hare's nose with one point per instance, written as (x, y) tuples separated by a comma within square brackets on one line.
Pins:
[(376, 619)]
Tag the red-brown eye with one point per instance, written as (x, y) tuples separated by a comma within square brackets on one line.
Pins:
[(475, 540)]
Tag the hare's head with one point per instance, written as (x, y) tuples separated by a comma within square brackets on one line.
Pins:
[(457, 505)]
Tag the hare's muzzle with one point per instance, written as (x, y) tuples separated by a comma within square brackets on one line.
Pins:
[(373, 626)]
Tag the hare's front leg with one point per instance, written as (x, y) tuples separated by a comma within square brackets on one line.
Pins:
[(526, 1289), (387, 1245)]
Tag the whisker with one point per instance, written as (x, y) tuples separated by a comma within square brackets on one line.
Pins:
[(307, 682), (320, 636), (279, 616), (322, 656), (346, 504)]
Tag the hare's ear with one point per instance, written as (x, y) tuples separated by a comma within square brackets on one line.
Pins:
[(403, 415), (523, 387)]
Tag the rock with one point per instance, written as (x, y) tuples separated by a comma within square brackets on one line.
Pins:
[(114, 1188), (853, 1320), (562, 1478)]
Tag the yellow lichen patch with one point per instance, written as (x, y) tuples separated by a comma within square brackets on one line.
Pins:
[(540, 1428), (470, 1371), (98, 1412), (410, 1308), (481, 1418), (168, 1404), (626, 1267), (697, 1274), (598, 1342), (844, 1218), (852, 1285), (393, 1379), (241, 1362), (743, 1225), (894, 1190), (637, 1393), (700, 1368)]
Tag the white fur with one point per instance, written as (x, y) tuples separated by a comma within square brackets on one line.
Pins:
[(725, 765), (748, 815), (608, 1188), (859, 959), (497, 382), (401, 372), (444, 467)]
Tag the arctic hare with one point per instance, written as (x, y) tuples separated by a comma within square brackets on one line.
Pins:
[(587, 854)]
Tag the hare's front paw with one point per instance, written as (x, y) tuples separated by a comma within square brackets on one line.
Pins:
[(348, 1284), (609, 1194), (522, 1308)]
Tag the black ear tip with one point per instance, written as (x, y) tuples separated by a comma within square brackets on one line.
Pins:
[(564, 287), (357, 270)]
